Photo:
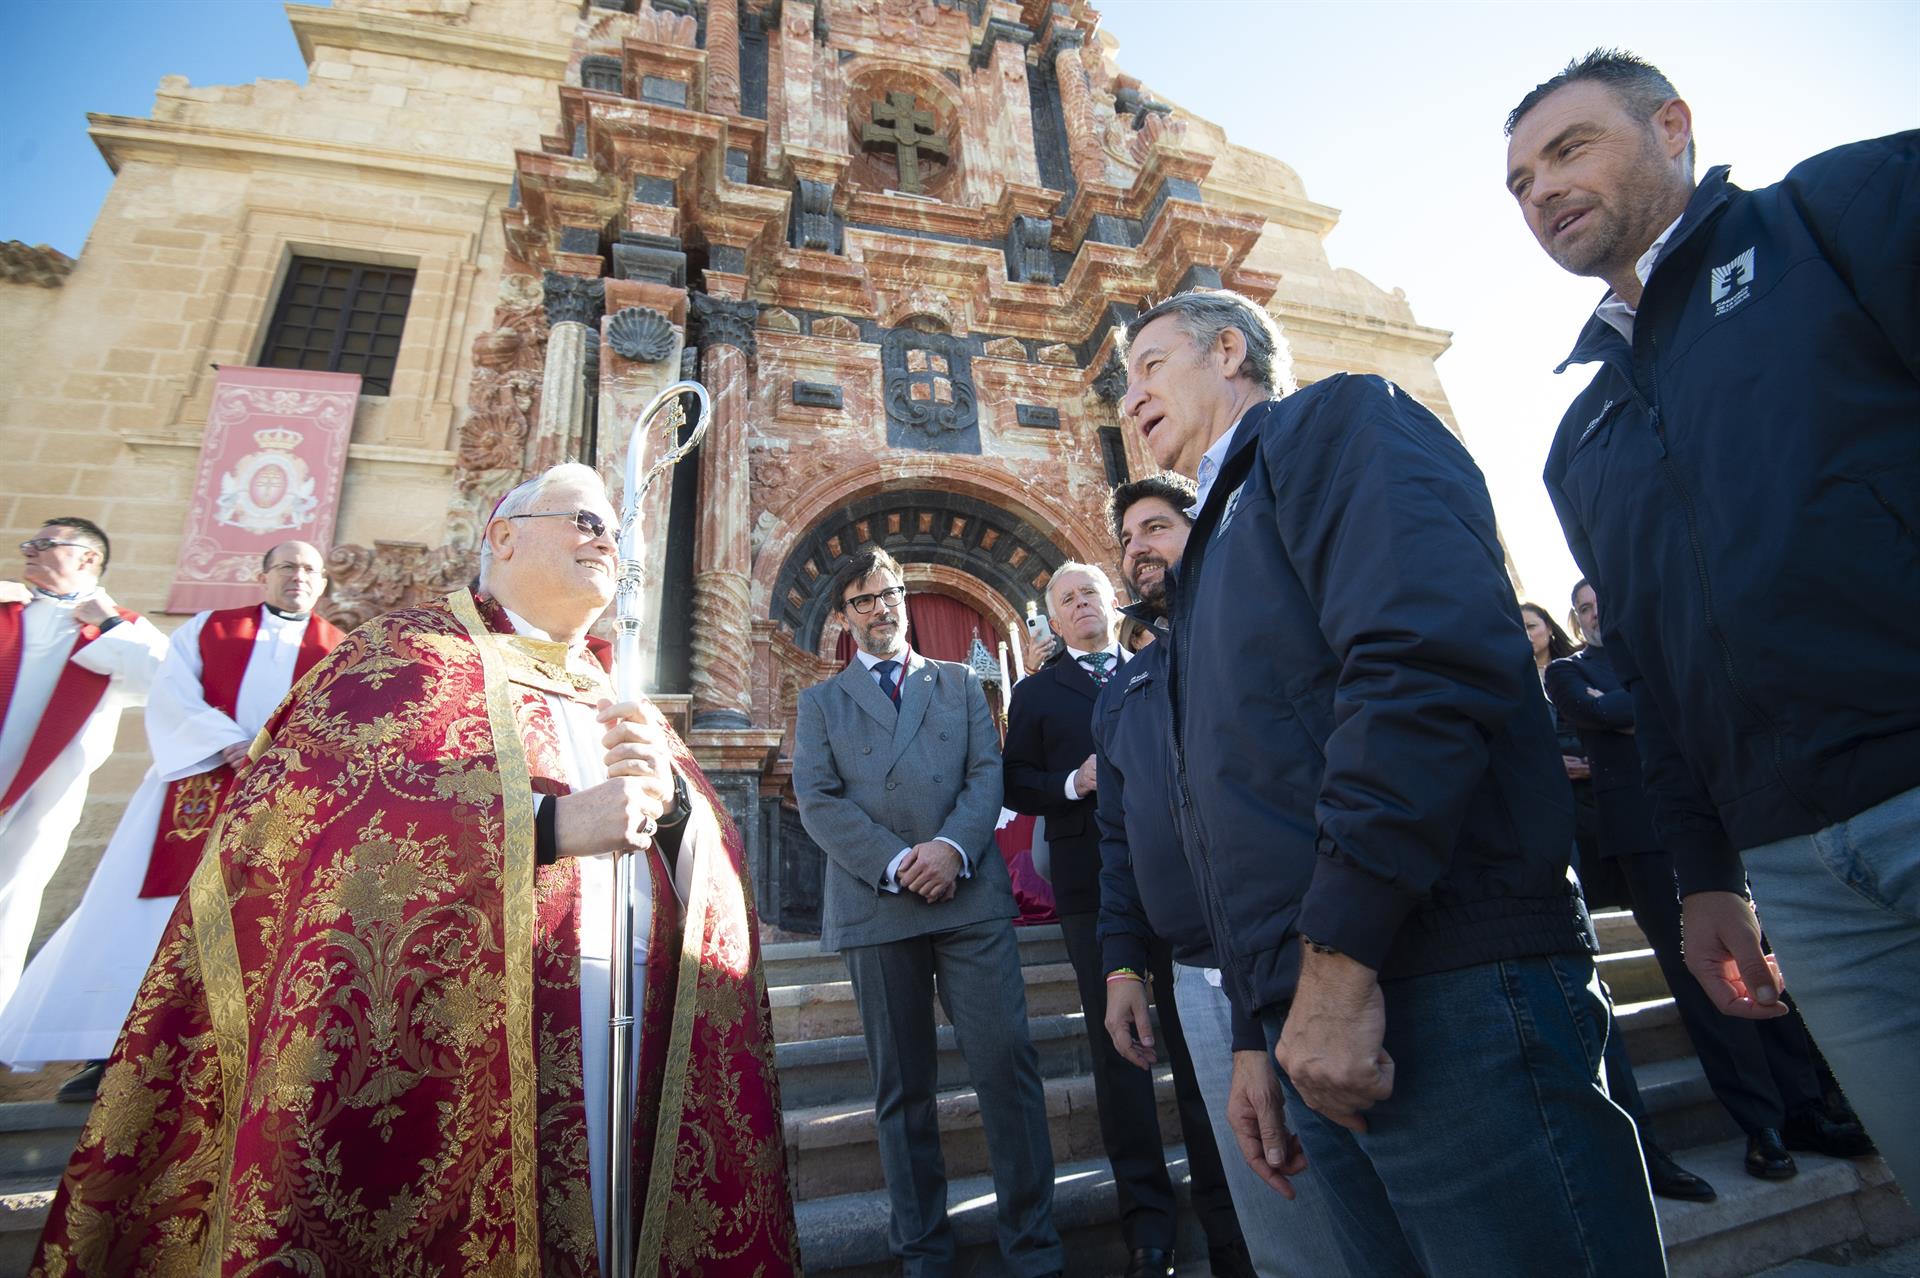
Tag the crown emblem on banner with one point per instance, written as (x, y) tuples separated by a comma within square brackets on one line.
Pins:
[(278, 439)]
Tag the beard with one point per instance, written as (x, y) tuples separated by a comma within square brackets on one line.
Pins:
[(1154, 593)]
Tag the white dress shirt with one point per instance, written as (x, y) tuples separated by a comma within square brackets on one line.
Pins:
[(1119, 656), (1613, 308)]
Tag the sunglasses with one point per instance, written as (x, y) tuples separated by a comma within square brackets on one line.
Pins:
[(40, 545), (585, 520)]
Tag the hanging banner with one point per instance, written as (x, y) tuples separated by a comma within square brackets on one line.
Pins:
[(270, 471)]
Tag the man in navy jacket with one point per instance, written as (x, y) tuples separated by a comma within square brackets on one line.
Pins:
[(1741, 481), (1148, 903), (1763, 1072), (1048, 770), (1371, 800)]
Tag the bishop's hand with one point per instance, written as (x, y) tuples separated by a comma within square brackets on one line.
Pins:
[(621, 813)]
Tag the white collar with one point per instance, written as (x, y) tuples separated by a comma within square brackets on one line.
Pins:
[(1214, 458), (868, 660), (1613, 308), (1112, 650), (524, 627)]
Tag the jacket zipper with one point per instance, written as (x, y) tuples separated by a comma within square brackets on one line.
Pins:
[(1714, 630), (1191, 813)]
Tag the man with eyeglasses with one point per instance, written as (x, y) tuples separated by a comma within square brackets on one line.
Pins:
[(896, 770), (70, 661), (224, 672), (374, 1037)]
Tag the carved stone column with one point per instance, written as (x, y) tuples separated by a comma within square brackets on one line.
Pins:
[(722, 557), (1076, 105), (573, 304), (723, 57)]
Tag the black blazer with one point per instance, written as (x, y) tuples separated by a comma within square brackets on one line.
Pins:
[(1049, 734), (1605, 723)]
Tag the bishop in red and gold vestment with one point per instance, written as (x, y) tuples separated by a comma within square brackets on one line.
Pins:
[(366, 1046)]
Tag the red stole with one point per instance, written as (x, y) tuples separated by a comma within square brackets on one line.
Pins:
[(76, 695), (188, 810)]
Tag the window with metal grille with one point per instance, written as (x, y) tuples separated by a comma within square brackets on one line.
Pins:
[(340, 317)]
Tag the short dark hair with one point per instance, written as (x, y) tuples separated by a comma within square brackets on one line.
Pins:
[(1177, 491), (857, 569), (1578, 586), (1559, 643), (1205, 313), (91, 533), (1640, 86)]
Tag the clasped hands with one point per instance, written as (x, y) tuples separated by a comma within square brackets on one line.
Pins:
[(621, 813), (930, 870)]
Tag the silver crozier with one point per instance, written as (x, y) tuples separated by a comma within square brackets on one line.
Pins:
[(663, 413)]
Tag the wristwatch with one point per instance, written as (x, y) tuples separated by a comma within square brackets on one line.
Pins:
[(682, 804)]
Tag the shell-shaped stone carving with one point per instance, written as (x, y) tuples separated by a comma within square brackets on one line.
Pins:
[(640, 333)]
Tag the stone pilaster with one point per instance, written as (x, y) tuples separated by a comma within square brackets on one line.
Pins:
[(573, 303), (1076, 105), (722, 557), (723, 57)]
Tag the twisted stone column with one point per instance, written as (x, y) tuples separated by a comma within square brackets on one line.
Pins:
[(722, 555), (723, 57), (573, 304), (1076, 106)]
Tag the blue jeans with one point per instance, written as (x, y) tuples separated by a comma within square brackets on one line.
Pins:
[(1498, 1153), (1284, 1239), (1842, 909)]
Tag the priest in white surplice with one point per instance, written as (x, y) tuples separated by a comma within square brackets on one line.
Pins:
[(70, 662), (225, 672)]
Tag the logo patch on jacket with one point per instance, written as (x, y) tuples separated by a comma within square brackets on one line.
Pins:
[(1233, 504), (1731, 284)]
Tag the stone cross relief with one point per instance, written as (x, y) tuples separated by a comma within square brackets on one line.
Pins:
[(900, 127)]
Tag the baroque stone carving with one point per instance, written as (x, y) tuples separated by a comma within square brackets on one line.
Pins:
[(815, 224), (573, 299), (717, 321), (640, 333), (1111, 382), (392, 574), (901, 127), (1006, 348), (838, 327), (929, 392), (1029, 257)]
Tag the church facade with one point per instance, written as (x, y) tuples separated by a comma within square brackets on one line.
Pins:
[(894, 238)]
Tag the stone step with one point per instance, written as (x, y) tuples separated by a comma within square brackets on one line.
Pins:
[(1751, 1225), (1618, 931), (806, 962), (832, 1149), (1633, 976), (1758, 1223), (826, 1009), (823, 1071), (37, 1137), (24, 1202), (846, 1236)]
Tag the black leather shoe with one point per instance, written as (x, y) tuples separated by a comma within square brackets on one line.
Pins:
[(83, 1086), (1150, 1262), (1811, 1129), (1670, 1180), (1767, 1156), (1231, 1262)]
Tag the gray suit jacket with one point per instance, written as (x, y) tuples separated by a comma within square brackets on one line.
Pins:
[(871, 781)]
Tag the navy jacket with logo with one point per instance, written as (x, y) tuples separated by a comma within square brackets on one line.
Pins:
[(1742, 485), (1362, 753)]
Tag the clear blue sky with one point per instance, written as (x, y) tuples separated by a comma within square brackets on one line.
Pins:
[(1388, 111)]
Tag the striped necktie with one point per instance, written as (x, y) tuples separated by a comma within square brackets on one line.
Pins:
[(883, 671)]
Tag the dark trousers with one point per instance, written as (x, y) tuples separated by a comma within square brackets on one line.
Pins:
[(1761, 1071), (975, 973), (1129, 1115)]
